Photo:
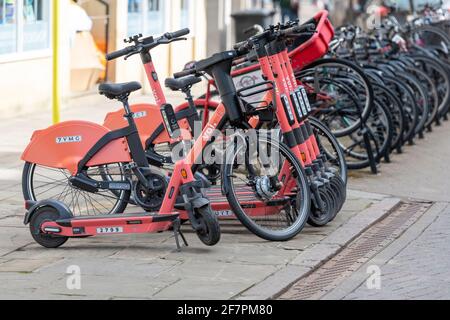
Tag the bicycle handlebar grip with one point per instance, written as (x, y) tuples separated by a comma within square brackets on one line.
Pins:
[(239, 45), (310, 27), (178, 34), (117, 54), (183, 73), (242, 47)]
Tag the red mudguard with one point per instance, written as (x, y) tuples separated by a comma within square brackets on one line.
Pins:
[(62, 146)]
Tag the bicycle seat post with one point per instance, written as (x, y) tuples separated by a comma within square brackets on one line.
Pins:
[(189, 98), (193, 110), (126, 105)]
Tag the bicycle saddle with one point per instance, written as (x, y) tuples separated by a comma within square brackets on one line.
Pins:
[(181, 83), (115, 90)]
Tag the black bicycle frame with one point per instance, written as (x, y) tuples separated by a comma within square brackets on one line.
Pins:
[(131, 134)]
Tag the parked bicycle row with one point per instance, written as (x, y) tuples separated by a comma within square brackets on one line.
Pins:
[(279, 167), (283, 114), (384, 88)]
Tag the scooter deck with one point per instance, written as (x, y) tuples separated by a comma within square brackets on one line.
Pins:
[(155, 217), (111, 224)]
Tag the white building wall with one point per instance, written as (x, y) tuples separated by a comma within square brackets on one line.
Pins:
[(26, 82), (26, 79)]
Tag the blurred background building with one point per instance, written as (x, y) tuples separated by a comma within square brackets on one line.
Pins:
[(90, 28)]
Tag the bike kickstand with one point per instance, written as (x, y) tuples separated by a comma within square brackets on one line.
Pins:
[(177, 232)]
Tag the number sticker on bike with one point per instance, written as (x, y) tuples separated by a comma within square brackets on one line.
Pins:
[(70, 139), (109, 230)]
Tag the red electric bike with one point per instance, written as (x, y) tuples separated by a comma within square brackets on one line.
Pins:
[(291, 114), (277, 191), (327, 184)]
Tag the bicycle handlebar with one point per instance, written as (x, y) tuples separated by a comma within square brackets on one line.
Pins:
[(147, 43), (177, 34), (244, 47), (295, 31), (184, 73), (119, 53)]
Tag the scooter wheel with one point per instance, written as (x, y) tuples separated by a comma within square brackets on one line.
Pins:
[(335, 200), (210, 232), (338, 187), (319, 218), (42, 215)]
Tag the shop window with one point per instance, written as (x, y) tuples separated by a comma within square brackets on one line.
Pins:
[(146, 17), (402, 5), (135, 15), (24, 25), (8, 26), (36, 25), (155, 17), (419, 5), (185, 9)]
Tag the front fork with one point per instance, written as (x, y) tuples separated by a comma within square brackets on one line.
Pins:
[(185, 192), (193, 199)]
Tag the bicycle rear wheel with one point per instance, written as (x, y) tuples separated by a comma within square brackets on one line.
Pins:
[(345, 72), (43, 183), (379, 129), (409, 105), (421, 98), (438, 71)]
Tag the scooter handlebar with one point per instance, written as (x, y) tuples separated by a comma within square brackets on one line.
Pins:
[(142, 44), (120, 53), (177, 34)]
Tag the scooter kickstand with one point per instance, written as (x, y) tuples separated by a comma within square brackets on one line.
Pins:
[(177, 232)]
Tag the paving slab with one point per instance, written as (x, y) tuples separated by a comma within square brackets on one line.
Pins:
[(25, 265), (406, 271), (107, 288), (203, 290), (12, 239), (146, 266), (151, 263), (316, 255)]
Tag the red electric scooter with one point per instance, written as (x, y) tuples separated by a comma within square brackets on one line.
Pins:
[(283, 193), (78, 146)]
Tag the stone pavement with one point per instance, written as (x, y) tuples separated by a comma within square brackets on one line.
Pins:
[(147, 266), (416, 266), (420, 172)]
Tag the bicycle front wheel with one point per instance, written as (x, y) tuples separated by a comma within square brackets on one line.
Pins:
[(42, 183), (267, 188)]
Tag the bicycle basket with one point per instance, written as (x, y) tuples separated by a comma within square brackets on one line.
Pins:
[(308, 50), (252, 97)]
